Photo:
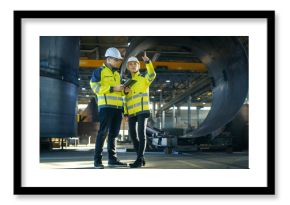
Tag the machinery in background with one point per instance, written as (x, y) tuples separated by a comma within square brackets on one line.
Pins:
[(232, 137)]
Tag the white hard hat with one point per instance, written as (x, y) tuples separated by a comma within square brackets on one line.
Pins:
[(113, 52), (132, 58)]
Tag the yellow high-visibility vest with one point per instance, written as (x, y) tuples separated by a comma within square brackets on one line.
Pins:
[(137, 100), (102, 82)]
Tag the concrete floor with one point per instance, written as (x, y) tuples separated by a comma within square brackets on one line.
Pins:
[(82, 158)]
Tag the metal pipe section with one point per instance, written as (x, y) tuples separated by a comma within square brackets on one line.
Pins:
[(227, 63), (59, 63)]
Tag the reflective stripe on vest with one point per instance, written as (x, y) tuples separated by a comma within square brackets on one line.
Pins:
[(110, 98), (136, 96), (136, 105), (96, 87), (151, 77)]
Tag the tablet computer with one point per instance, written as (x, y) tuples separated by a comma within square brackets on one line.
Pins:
[(129, 83)]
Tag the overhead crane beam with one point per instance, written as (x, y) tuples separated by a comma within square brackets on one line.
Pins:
[(176, 66)]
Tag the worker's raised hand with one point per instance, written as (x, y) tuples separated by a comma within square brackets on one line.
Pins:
[(145, 58)]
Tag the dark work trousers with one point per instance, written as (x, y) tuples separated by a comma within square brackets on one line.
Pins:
[(139, 141), (110, 122)]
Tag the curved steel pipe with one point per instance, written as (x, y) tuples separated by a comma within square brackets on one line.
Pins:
[(227, 63)]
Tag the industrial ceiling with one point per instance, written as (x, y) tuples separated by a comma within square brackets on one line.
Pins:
[(175, 75)]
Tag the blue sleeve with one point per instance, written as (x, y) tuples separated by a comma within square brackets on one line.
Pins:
[(96, 77)]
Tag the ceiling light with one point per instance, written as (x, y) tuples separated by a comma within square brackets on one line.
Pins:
[(167, 81)]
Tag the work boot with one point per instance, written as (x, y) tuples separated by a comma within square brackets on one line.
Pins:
[(98, 165), (140, 162)]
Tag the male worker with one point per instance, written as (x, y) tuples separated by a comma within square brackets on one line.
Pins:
[(105, 83)]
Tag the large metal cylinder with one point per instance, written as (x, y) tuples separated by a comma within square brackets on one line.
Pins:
[(227, 62), (59, 63)]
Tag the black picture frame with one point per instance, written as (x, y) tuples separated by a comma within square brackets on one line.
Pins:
[(19, 189)]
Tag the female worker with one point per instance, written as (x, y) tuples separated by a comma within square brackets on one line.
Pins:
[(137, 105)]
